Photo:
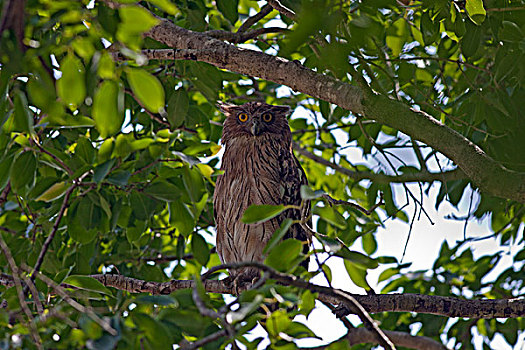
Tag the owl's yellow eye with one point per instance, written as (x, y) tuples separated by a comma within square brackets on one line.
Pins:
[(243, 117), (267, 117)]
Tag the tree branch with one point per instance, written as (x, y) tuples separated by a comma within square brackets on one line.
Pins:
[(428, 304), (362, 335), (265, 10), (422, 176), (488, 174)]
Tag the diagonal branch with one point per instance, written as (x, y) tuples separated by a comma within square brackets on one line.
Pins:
[(484, 171), (422, 176)]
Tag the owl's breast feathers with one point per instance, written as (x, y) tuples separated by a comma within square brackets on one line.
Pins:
[(257, 170)]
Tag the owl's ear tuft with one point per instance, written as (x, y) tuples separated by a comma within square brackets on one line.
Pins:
[(225, 107), (283, 110)]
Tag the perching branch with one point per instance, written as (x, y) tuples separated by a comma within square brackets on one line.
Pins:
[(427, 304), (489, 175)]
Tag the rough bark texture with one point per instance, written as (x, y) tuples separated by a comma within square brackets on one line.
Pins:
[(487, 174), (428, 304), (362, 336)]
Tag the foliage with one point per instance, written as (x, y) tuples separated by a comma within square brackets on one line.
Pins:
[(117, 160)]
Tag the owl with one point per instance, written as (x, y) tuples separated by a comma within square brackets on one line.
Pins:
[(259, 167)]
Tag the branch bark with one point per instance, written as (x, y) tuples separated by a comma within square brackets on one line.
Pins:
[(427, 304), (485, 172)]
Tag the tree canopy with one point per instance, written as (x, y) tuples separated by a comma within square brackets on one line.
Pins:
[(109, 152)]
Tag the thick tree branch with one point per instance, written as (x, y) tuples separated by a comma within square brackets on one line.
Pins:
[(429, 304), (485, 172)]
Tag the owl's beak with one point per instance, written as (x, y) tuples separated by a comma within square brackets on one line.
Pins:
[(256, 128)]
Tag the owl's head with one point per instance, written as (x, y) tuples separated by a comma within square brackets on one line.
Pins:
[(255, 119)]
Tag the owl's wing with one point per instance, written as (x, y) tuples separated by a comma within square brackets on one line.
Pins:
[(292, 178)]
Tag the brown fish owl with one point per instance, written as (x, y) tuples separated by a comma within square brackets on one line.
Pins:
[(259, 168)]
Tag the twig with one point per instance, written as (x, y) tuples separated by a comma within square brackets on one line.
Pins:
[(55, 158), (5, 192), (333, 201), (207, 339), (292, 280), (20, 292), (49, 239), (265, 10), (79, 307), (450, 175), (276, 4)]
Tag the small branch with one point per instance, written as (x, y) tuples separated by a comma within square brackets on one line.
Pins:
[(295, 281), (421, 176), (265, 10), (333, 201), (207, 339), (20, 292), (362, 336), (5, 192), (504, 9), (276, 4), (80, 308), (49, 239), (241, 37), (55, 158)]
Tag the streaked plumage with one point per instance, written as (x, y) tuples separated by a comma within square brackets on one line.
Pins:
[(259, 168)]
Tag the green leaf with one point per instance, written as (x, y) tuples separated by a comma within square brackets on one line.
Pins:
[(156, 333), (369, 243), (108, 111), (397, 36), (163, 190), (307, 303), (102, 170), (200, 249), (228, 8), (475, 11), (386, 274), (23, 120), (471, 41), (178, 105), (88, 214), (166, 6), (357, 275), (85, 150), (71, 87), (142, 205), (56, 191), (23, 171), (261, 213), (510, 32), (87, 283), (359, 259), (299, 331), (181, 217), (277, 322), (278, 235), (285, 255), (331, 215), (307, 193), (5, 169), (147, 89)]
